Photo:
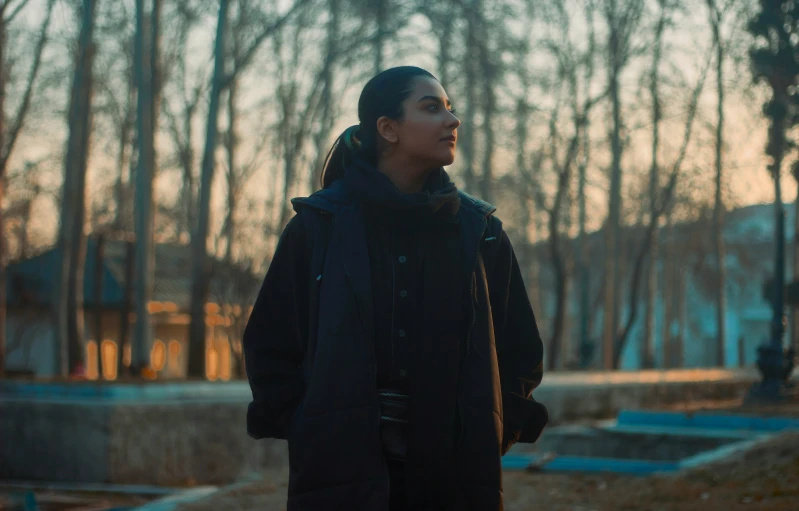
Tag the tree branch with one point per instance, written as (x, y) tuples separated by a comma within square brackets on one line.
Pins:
[(668, 193), (248, 55), (15, 12), (22, 111)]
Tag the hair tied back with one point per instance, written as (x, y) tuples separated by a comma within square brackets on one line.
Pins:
[(351, 138)]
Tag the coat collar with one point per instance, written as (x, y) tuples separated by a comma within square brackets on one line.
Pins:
[(350, 233), (336, 196)]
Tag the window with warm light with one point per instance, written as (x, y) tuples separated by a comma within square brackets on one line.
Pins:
[(108, 351), (91, 360), (212, 364), (158, 355), (173, 361), (224, 360)]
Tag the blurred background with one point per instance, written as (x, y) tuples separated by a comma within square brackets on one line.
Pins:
[(149, 150)]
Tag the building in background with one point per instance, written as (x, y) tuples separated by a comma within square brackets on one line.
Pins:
[(30, 341), (687, 275)]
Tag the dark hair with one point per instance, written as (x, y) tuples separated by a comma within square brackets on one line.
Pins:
[(382, 96)]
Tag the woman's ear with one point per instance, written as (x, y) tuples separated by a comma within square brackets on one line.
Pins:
[(386, 128)]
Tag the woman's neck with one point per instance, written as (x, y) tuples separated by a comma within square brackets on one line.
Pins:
[(402, 175)]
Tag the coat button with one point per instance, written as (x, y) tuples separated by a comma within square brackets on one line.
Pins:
[(402, 259), (401, 333), (403, 293)]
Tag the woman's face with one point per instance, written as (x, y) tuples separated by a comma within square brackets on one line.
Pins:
[(428, 131)]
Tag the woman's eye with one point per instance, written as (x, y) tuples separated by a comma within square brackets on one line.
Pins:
[(452, 111), (433, 108)]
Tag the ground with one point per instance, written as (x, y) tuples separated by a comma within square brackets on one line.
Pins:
[(13, 500), (763, 478)]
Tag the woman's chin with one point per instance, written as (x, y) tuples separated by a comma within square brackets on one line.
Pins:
[(447, 160)]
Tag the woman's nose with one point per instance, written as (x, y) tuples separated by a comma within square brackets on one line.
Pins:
[(454, 122)]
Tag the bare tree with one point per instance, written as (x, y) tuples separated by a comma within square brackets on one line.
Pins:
[(199, 239), (622, 18), (327, 110), (68, 303), (237, 174), (560, 152), (490, 74), (662, 205), (581, 256), (297, 113), (25, 187), (180, 111), (147, 78), (9, 9), (443, 15), (647, 345), (382, 9), (468, 129), (716, 14), (116, 102)]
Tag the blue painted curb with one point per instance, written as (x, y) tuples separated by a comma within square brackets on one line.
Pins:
[(706, 420), (748, 430), (586, 464), (125, 391)]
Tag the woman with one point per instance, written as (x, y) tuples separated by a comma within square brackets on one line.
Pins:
[(392, 343)]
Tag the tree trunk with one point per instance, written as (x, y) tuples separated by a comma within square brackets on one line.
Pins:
[(24, 235), (327, 118), (468, 129), (68, 302), (444, 55), (682, 308), (718, 206), (381, 15), (587, 348), (230, 144), (124, 315), (187, 189), (654, 186), (2, 192), (200, 263), (98, 302), (489, 109), (582, 259), (122, 158), (622, 21), (7, 146), (145, 68), (794, 340), (668, 292), (613, 225)]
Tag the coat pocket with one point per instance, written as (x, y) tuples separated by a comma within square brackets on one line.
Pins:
[(335, 448)]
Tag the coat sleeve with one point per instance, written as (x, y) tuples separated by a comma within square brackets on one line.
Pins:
[(275, 337), (520, 351)]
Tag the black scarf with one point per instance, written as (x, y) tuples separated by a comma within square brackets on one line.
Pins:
[(436, 205), (436, 355)]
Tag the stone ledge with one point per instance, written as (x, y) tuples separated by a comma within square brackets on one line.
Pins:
[(177, 434)]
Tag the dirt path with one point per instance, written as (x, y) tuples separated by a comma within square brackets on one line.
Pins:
[(765, 478)]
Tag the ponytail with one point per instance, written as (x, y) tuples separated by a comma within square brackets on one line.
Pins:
[(344, 150)]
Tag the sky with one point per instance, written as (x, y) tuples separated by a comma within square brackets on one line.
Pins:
[(747, 181)]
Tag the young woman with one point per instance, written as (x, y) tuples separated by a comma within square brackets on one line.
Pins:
[(393, 343)]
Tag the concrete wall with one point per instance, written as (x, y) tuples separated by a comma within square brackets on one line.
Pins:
[(186, 433), (172, 443)]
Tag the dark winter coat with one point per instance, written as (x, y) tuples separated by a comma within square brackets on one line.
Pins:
[(309, 352)]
